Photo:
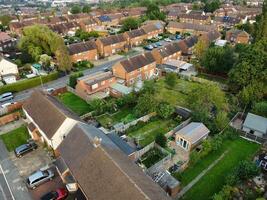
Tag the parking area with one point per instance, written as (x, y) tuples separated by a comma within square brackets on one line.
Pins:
[(33, 161)]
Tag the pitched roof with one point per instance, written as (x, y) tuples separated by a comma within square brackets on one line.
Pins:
[(136, 33), (256, 122), (137, 62), (196, 27), (169, 49), (47, 112), (113, 39), (81, 47), (104, 172), (191, 41), (97, 77), (152, 27), (193, 132), (194, 16), (4, 37), (211, 35)]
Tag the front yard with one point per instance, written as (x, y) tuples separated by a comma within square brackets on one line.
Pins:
[(145, 133), (211, 183), (15, 138), (75, 103)]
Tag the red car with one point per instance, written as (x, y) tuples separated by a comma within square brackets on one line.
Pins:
[(59, 194)]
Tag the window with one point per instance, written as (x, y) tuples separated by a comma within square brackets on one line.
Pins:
[(94, 86)]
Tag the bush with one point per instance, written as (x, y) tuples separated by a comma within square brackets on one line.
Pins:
[(171, 79), (73, 79), (164, 110), (260, 108), (161, 140), (28, 83)]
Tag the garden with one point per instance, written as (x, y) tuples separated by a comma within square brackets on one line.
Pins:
[(232, 150), (152, 157), (15, 138)]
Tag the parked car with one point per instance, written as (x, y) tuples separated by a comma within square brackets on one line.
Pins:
[(178, 37), (25, 148), (159, 43), (172, 37), (6, 96), (8, 104), (154, 45), (39, 177), (149, 47), (167, 39), (59, 194), (50, 90)]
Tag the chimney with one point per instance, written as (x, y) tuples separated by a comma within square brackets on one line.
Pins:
[(97, 141)]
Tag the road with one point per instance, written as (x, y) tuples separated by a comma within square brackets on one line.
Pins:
[(61, 82), (5, 193)]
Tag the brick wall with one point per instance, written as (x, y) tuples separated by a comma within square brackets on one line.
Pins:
[(9, 118)]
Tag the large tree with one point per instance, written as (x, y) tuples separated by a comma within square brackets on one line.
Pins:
[(39, 39), (129, 24), (5, 20), (261, 24), (153, 12), (76, 9), (218, 59)]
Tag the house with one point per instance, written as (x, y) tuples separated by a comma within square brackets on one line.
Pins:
[(6, 42), (153, 29), (104, 20), (88, 24), (8, 71), (210, 36), (197, 29), (135, 37), (256, 125), (96, 168), (68, 28), (48, 120), (194, 19), (237, 36), (135, 69), (111, 44), (165, 53), (95, 85), (225, 22), (191, 135), (83, 51), (187, 45)]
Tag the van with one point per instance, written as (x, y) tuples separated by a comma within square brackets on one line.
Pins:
[(6, 96)]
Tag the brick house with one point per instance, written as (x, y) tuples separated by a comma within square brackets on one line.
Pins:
[(88, 24), (153, 29), (174, 27), (170, 51), (137, 68), (65, 28), (6, 42), (194, 19), (135, 37), (94, 83), (83, 51), (111, 44), (237, 36)]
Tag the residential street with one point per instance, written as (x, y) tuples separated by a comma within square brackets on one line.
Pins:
[(4, 190), (61, 82)]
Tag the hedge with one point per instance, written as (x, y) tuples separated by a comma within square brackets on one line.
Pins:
[(28, 83)]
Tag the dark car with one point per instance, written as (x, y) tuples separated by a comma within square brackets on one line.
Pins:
[(59, 194), (25, 148)]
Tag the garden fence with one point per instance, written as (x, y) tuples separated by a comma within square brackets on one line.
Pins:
[(138, 154)]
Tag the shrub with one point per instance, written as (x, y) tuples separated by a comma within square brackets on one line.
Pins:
[(73, 79), (164, 110), (161, 140), (171, 79), (260, 108), (28, 83)]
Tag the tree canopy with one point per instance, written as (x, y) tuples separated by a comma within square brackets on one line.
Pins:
[(261, 24), (129, 24), (153, 12), (76, 9), (211, 6), (39, 39), (5, 20)]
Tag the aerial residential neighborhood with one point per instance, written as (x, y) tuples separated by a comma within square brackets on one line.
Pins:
[(133, 99)]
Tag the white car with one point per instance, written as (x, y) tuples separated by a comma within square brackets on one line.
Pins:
[(50, 90), (167, 39), (7, 104)]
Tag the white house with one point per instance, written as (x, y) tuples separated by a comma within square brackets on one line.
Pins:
[(49, 121), (8, 70), (191, 135), (256, 125)]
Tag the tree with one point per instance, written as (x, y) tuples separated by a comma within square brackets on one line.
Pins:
[(171, 79), (86, 9), (39, 39), (153, 12), (76, 9), (260, 108), (45, 60), (208, 103), (164, 110), (129, 24), (161, 140), (146, 104), (5, 20), (149, 87), (225, 194), (84, 35), (218, 59), (73, 79), (211, 6), (200, 48), (261, 24)]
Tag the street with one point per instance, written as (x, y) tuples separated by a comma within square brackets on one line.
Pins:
[(5, 193)]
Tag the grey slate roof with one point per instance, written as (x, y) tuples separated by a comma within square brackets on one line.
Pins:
[(256, 123)]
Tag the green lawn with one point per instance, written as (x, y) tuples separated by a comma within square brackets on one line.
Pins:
[(15, 138), (147, 132), (123, 115), (177, 95), (75, 103), (213, 181)]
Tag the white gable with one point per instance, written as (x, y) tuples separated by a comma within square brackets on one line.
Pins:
[(7, 67)]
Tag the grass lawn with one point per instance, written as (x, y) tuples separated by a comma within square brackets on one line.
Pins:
[(177, 95), (152, 157), (75, 103), (123, 115), (15, 138), (146, 133), (213, 181)]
